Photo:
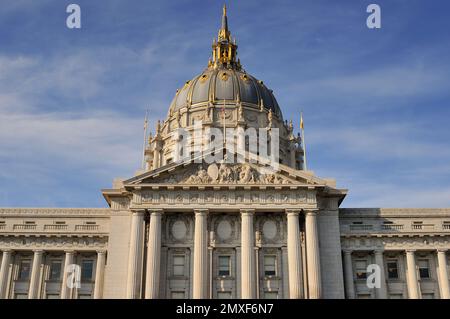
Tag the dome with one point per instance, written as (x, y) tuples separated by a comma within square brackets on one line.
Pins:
[(218, 84), (224, 96)]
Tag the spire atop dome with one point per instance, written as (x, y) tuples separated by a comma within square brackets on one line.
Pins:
[(224, 51), (224, 34)]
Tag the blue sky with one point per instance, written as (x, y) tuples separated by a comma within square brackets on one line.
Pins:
[(375, 101)]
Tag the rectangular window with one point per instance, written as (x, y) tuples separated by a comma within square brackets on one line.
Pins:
[(392, 268), (87, 269), (224, 266), (424, 268), (270, 265), (271, 295), (24, 269), (224, 295), (361, 269), (55, 270), (177, 294), (178, 265)]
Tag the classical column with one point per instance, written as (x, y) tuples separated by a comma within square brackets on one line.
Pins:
[(381, 292), (348, 275), (313, 255), (247, 255), (65, 290), (4, 269), (443, 274), (153, 256), (200, 280), (135, 255), (294, 255), (411, 275), (99, 274), (35, 274)]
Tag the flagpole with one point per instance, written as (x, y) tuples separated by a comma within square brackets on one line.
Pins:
[(145, 139), (302, 126)]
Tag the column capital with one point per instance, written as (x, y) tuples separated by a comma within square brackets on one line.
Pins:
[(156, 211), (311, 212), (201, 211), (347, 251), (38, 251), (378, 251), (294, 212), (7, 251), (410, 251), (101, 252), (442, 250), (247, 211), (69, 252), (138, 211)]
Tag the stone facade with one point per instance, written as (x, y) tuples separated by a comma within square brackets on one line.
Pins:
[(196, 229)]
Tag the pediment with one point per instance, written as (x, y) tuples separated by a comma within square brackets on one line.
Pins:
[(202, 173)]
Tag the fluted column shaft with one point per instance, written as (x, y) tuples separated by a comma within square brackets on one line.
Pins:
[(443, 274), (248, 281), (99, 274), (294, 255), (65, 290), (411, 276), (6, 260), (313, 255), (35, 274), (135, 255), (348, 273), (200, 282), (153, 256), (381, 292)]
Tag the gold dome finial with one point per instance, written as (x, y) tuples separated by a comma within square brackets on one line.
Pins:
[(224, 50)]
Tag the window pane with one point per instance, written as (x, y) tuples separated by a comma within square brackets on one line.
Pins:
[(392, 270), (271, 295), (24, 270), (177, 294), (224, 295), (361, 269), (55, 270), (269, 265), (424, 269), (86, 270), (178, 265), (224, 265)]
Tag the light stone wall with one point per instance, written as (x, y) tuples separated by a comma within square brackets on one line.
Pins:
[(118, 249), (330, 255)]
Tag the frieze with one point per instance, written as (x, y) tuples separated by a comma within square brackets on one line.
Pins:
[(222, 174), (259, 197)]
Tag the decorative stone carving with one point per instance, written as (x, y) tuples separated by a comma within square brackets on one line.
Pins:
[(224, 229), (224, 174), (269, 229), (179, 229)]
